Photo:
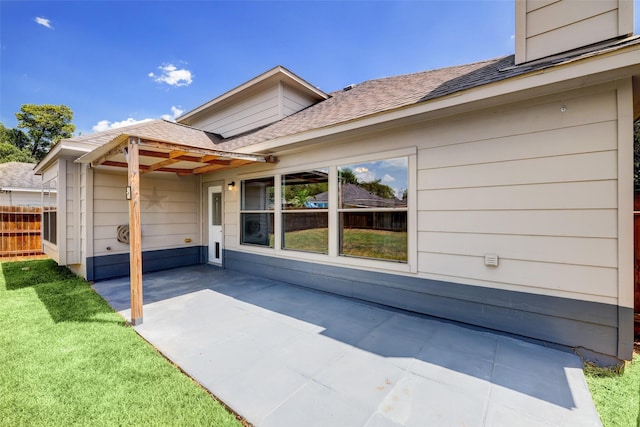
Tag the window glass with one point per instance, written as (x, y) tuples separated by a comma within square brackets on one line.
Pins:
[(379, 184), (257, 229), (306, 190), (216, 209), (373, 209), (305, 217), (256, 212), (258, 194), (380, 235), (49, 213)]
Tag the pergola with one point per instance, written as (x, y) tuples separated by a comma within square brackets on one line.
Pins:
[(160, 146)]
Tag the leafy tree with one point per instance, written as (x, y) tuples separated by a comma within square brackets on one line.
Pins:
[(45, 125), (13, 146), (301, 198), (379, 189), (347, 176)]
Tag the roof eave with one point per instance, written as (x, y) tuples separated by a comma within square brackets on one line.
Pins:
[(599, 69), (62, 148)]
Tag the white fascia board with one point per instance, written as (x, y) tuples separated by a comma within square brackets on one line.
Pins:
[(25, 190), (584, 72), (62, 148)]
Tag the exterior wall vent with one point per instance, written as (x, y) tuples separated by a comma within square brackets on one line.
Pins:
[(123, 234)]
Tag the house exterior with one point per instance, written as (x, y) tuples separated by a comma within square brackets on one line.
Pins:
[(19, 186), (498, 193)]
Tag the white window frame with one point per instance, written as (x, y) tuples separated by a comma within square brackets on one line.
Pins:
[(333, 257)]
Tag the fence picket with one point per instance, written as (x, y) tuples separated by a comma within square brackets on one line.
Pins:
[(20, 231)]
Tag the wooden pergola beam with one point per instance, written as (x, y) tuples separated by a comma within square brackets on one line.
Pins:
[(113, 152), (144, 168), (203, 151), (173, 158), (187, 158), (135, 234)]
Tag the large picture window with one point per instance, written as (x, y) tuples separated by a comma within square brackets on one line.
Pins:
[(350, 210), (373, 209), (305, 214), (256, 211)]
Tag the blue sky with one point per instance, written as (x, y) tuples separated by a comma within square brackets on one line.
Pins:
[(114, 62)]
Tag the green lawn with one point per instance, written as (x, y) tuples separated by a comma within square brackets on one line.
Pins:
[(617, 396), (356, 242), (375, 244), (67, 359)]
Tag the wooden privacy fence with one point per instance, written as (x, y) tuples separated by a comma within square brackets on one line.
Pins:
[(20, 231)]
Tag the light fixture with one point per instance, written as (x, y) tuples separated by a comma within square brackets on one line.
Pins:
[(231, 185)]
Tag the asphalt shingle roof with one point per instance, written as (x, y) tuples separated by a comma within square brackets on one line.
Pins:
[(19, 175), (365, 99), (157, 130), (377, 96)]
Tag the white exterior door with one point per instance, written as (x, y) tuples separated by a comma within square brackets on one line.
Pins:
[(215, 224)]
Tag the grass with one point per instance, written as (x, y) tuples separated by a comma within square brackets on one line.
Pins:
[(313, 240), (616, 395), (67, 359), (378, 244), (375, 244)]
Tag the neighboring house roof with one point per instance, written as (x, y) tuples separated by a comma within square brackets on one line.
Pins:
[(354, 196), (376, 96), (17, 176)]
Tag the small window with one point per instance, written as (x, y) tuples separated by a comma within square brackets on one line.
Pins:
[(373, 209), (49, 213), (256, 211), (305, 214)]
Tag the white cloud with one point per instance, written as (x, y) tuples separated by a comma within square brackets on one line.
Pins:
[(171, 75), (363, 174), (103, 125), (400, 162), (387, 178), (175, 112), (44, 22)]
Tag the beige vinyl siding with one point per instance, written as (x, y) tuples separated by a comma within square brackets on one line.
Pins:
[(169, 212), (541, 195), (294, 101), (534, 184), (252, 112), (53, 173), (72, 245), (84, 222), (552, 27)]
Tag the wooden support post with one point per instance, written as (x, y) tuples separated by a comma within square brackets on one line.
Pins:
[(135, 235)]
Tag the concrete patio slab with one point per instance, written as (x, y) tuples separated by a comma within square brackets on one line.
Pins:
[(281, 355)]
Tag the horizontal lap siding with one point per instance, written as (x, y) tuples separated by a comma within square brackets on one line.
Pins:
[(541, 194), (169, 212), (254, 111), (73, 216), (294, 101), (555, 27)]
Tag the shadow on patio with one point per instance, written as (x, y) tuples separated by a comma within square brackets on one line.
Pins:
[(235, 332)]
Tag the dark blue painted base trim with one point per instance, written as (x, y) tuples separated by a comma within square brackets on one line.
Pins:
[(117, 265), (599, 327)]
